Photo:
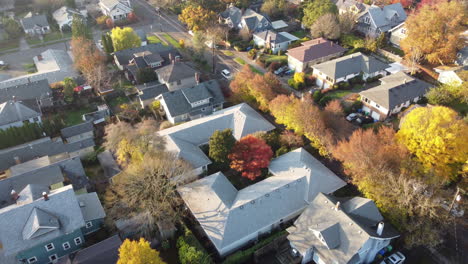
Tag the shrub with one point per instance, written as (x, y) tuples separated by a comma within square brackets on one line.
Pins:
[(57, 85), (190, 249), (182, 43), (310, 80), (251, 54), (166, 245), (351, 41), (357, 86), (344, 85), (274, 66), (324, 100), (356, 80), (165, 124), (317, 95), (101, 20)]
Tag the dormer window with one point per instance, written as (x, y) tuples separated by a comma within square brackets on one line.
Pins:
[(367, 20)]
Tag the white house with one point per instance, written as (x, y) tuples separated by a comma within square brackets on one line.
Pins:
[(342, 69), (64, 16), (232, 218), (395, 92), (35, 24), (116, 9), (376, 20), (451, 75), (397, 34), (16, 114), (328, 232), (274, 41), (185, 139)]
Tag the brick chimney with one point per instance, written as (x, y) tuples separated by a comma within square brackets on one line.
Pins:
[(45, 195), (170, 56), (14, 195), (197, 77)]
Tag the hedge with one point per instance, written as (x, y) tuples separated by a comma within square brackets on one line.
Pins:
[(190, 249)]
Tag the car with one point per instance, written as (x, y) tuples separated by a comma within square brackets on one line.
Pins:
[(289, 72), (362, 120), (280, 70), (352, 117), (226, 74), (395, 258)]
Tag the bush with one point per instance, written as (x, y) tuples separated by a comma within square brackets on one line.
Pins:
[(274, 66), (317, 95), (281, 151), (166, 245), (251, 54), (351, 41), (101, 20), (57, 85), (324, 101), (190, 249), (357, 86), (310, 80), (344, 85), (356, 80)]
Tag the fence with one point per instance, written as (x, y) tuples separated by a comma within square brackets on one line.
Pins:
[(389, 55)]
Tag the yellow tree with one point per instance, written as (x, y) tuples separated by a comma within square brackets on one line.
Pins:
[(124, 38), (433, 32), (138, 252), (197, 18), (438, 138)]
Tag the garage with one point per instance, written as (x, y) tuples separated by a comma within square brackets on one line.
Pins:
[(375, 115), (319, 82)]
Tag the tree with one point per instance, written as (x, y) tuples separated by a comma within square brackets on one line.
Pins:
[(449, 94), (68, 89), (347, 21), (437, 137), (197, 18), (165, 3), (198, 42), (221, 144), (326, 26), (138, 252), (404, 3), (290, 139), (12, 28), (80, 28), (435, 31), (315, 9), (70, 3), (109, 22), (273, 8), (249, 155), (107, 45), (146, 75), (132, 17), (124, 38), (334, 119)]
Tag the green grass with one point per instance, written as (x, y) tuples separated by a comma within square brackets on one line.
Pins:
[(30, 67), (272, 58), (255, 70), (227, 52), (75, 117), (240, 61), (114, 102), (300, 33), (33, 41), (171, 40), (460, 107), (152, 39), (56, 36), (9, 44), (338, 94)]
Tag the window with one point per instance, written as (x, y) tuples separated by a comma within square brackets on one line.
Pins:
[(50, 247), (53, 257), (32, 260), (366, 20), (66, 246), (376, 105), (89, 224), (403, 31), (77, 240)]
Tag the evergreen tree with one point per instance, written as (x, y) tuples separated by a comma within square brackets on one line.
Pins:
[(80, 28)]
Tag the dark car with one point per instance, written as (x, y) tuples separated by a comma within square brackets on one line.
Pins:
[(362, 120)]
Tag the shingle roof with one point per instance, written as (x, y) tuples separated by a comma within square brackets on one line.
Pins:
[(383, 17), (104, 252), (124, 56), (107, 161), (315, 49), (175, 71), (184, 139), (252, 19), (11, 112), (31, 22), (77, 129), (276, 38), (151, 90), (26, 91), (351, 64), (228, 215), (233, 13), (90, 206), (345, 231), (396, 89)]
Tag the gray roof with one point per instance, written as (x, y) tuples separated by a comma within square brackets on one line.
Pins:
[(275, 38), (77, 129), (185, 139), (337, 235), (254, 20), (31, 22), (151, 90), (179, 101), (124, 56), (462, 57), (107, 161), (175, 71), (27, 91), (141, 33), (353, 63), (90, 206), (11, 112), (104, 252), (387, 17), (396, 89), (17, 233), (233, 13), (241, 213)]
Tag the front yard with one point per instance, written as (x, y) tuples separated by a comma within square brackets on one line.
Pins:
[(171, 40)]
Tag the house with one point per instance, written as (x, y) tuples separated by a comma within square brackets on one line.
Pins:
[(99, 116), (462, 57), (279, 25), (274, 41), (331, 232), (452, 75), (312, 52), (397, 34), (395, 92), (243, 216), (78, 132), (44, 225), (148, 92), (16, 114), (192, 103), (377, 20), (351, 6), (30, 92), (140, 61), (64, 16), (116, 9), (342, 69), (35, 24), (177, 75), (152, 55), (104, 252), (53, 65), (185, 139), (248, 20)]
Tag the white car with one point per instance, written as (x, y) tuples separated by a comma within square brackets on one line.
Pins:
[(352, 116), (226, 74), (395, 258), (2, 63)]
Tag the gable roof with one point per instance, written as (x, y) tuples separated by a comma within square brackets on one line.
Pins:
[(65, 13), (382, 17), (104, 252), (174, 72), (315, 49), (253, 19), (278, 24), (353, 63), (232, 13), (32, 21), (11, 112), (228, 215), (26, 91), (90, 206), (124, 56), (113, 4), (275, 38), (185, 139), (345, 231), (151, 90), (77, 129), (396, 89)]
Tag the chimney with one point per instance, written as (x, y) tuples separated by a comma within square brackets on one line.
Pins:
[(380, 228), (337, 206), (13, 98), (170, 57), (14, 195), (404, 81), (45, 195), (17, 160), (197, 77)]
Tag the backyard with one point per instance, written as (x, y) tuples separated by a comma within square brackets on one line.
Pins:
[(72, 117)]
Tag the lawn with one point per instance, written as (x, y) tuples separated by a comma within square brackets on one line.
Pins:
[(152, 39), (252, 68), (9, 44), (240, 61), (75, 117), (460, 107), (33, 41), (30, 67), (56, 36), (171, 40), (272, 58), (300, 33), (227, 52), (338, 94), (114, 102)]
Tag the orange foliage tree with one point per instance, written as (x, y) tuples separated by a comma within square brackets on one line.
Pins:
[(249, 155)]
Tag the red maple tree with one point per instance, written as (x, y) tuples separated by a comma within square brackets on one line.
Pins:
[(249, 155)]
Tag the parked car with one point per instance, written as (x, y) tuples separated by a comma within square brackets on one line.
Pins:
[(3, 65), (99, 45), (226, 74), (395, 258), (352, 117), (280, 70), (362, 120), (289, 72)]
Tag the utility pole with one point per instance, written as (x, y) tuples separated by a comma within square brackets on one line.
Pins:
[(457, 198), (213, 53)]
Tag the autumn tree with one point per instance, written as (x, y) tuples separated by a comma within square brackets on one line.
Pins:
[(291, 139), (124, 38), (68, 89), (437, 136), (334, 119), (326, 26), (138, 252), (80, 28), (249, 156), (315, 9), (450, 93), (347, 22), (404, 3), (221, 144), (273, 8), (434, 30), (197, 18), (165, 3)]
